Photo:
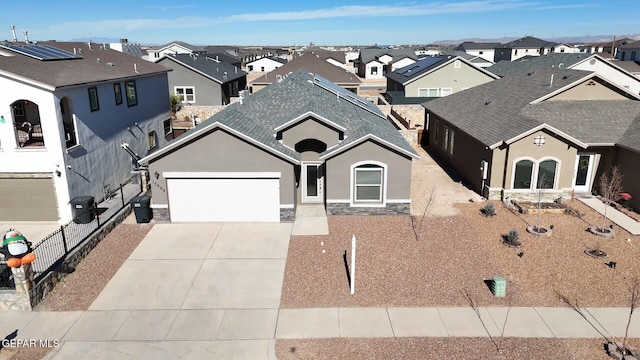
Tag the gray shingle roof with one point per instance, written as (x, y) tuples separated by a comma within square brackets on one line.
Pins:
[(470, 45), (505, 67), (314, 64), (220, 71), (368, 55), (261, 113), (500, 110), (418, 68), (527, 42), (61, 73)]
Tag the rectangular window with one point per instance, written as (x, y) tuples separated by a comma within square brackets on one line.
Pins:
[(434, 92), (374, 70), (132, 96), (93, 99), (153, 143), (18, 109), (167, 127), (368, 184), (633, 55), (187, 93), (446, 91), (448, 140), (117, 92)]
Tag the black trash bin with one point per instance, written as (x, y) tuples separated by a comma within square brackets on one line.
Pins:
[(82, 208), (141, 206)]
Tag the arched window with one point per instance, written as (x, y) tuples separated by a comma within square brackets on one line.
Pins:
[(368, 184), (547, 174), (523, 174), (26, 123)]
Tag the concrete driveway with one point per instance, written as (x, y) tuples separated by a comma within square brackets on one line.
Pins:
[(189, 291)]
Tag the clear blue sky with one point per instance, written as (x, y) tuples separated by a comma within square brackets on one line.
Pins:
[(328, 22)]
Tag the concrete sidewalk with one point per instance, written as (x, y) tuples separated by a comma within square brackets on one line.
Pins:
[(251, 333), (539, 322), (613, 214)]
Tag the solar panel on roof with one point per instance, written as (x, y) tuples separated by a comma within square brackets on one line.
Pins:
[(347, 95), (40, 52)]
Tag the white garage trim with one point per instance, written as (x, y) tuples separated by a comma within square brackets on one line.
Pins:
[(221, 175), (224, 197)]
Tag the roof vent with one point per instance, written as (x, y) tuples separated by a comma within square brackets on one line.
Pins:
[(97, 60), (111, 64), (487, 102)]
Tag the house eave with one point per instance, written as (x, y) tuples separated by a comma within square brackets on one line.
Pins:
[(361, 140), (197, 132), (312, 114)]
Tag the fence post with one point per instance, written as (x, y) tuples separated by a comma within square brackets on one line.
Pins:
[(122, 194), (64, 240)]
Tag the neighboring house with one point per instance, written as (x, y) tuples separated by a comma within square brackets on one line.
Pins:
[(172, 48), (66, 109), (124, 46), (484, 50), (565, 49), (587, 62), (337, 58), (474, 59), (313, 64), (376, 63), (203, 81), (225, 58), (265, 64), (608, 49), (300, 141), (549, 130), (526, 46), (435, 77), (629, 52)]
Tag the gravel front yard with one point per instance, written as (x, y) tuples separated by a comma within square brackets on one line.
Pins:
[(452, 256), (445, 265)]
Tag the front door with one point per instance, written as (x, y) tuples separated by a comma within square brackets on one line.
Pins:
[(583, 173), (312, 182)]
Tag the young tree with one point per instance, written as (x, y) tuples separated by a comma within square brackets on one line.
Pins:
[(610, 189)]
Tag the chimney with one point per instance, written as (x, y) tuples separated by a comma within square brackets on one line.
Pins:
[(13, 31)]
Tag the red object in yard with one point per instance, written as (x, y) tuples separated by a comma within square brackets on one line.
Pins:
[(625, 196)]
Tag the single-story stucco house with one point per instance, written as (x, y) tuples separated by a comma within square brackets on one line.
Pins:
[(551, 130), (303, 140)]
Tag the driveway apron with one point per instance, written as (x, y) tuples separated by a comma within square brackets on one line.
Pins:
[(189, 291)]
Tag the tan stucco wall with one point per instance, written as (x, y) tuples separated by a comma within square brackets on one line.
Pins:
[(338, 169), (590, 90), (307, 127), (449, 77), (219, 151), (555, 148)]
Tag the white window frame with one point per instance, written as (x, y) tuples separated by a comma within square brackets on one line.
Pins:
[(383, 191), (371, 69), (170, 128), (449, 140), (533, 186), (184, 94), (152, 139), (456, 64), (439, 92)]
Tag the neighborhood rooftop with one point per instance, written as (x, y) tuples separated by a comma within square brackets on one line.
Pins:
[(300, 93), (314, 64), (92, 63), (217, 70), (503, 109), (552, 60)]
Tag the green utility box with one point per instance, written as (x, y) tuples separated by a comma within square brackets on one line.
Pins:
[(499, 286)]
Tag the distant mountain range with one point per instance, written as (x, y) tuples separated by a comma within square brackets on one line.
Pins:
[(567, 39)]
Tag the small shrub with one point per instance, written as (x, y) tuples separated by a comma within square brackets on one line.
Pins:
[(512, 238), (489, 209)]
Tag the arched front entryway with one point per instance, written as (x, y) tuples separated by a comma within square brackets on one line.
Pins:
[(312, 171), (26, 124)]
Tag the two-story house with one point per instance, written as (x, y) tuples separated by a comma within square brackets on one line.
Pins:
[(526, 46), (375, 63), (66, 111), (629, 52)]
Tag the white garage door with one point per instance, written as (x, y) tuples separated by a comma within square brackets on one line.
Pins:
[(224, 197)]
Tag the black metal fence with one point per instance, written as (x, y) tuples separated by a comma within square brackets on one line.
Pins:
[(52, 250)]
